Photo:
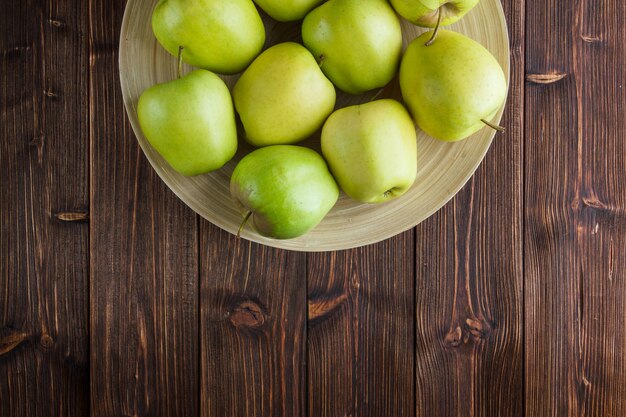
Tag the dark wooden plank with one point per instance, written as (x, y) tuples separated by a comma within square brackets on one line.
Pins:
[(361, 330), (44, 166), (576, 209), (253, 312), (144, 259), (469, 289)]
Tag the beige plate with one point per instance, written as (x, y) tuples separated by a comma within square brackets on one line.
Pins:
[(443, 167)]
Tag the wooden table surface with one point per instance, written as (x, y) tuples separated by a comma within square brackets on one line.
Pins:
[(117, 300)]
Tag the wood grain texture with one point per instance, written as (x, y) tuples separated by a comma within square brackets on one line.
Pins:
[(360, 331), (144, 265), (253, 313), (575, 211), (469, 289), (517, 307), (44, 166)]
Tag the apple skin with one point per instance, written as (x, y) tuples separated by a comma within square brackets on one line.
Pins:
[(451, 85), (424, 12), (190, 122), (371, 150), (217, 35), (283, 97), (358, 41), (287, 188), (287, 10)]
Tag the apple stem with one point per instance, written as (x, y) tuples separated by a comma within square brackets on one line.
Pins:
[(432, 38), (243, 224), (180, 61), (493, 126), (321, 60), (378, 94)]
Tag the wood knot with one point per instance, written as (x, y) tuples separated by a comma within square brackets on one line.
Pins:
[(57, 23), (472, 330), (591, 38), (50, 94), (10, 339), (46, 342), (480, 329), (454, 338), (547, 78), (76, 217), (248, 314), (594, 203), (323, 307)]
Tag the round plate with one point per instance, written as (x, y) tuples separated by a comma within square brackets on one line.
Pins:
[(443, 168)]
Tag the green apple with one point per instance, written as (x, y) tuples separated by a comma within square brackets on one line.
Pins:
[(358, 42), (190, 122), (371, 150), (426, 12), (283, 97), (287, 10), (287, 189), (217, 35), (452, 87)]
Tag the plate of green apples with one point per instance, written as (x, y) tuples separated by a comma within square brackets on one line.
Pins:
[(315, 125)]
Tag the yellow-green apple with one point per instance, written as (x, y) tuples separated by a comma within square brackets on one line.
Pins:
[(190, 122), (454, 87), (283, 97), (217, 35), (358, 42), (371, 150), (426, 12), (287, 190)]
